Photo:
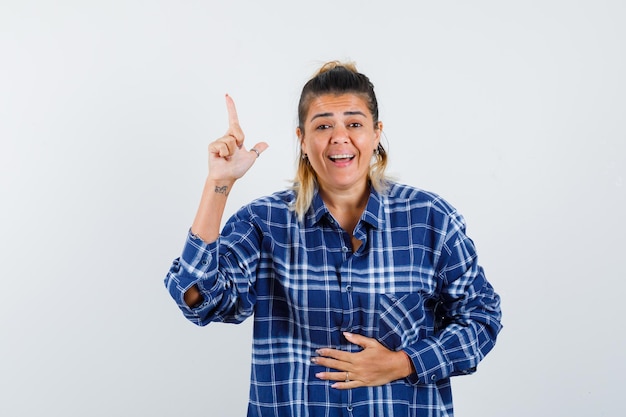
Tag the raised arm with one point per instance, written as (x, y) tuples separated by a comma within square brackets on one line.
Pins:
[(229, 160)]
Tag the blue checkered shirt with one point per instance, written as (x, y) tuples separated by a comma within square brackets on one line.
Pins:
[(413, 284)]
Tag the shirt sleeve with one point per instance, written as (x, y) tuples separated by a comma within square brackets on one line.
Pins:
[(225, 282), (471, 313)]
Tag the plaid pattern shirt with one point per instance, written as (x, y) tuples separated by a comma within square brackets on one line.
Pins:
[(413, 284)]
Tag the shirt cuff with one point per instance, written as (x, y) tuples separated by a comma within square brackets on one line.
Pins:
[(429, 361), (198, 255)]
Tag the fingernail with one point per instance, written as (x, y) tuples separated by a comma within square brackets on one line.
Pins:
[(314, 360), (347, 335)]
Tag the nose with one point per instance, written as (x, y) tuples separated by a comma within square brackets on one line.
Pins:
[(340, 134)]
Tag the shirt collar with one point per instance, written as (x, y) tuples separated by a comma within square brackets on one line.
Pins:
[(373, 214)]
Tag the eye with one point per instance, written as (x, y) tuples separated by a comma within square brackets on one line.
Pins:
[(355, 124), (323, 127)]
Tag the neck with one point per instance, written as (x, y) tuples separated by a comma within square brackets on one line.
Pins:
[(346, 199), (346, 206)]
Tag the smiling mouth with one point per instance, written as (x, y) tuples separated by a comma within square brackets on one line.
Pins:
[(342, 157)]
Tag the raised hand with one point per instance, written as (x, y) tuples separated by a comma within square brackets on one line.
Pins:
[(229, 160)]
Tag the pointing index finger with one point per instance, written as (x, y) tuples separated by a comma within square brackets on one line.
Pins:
[(233, 119)]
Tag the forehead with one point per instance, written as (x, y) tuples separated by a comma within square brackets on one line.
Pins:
[(337, 104)]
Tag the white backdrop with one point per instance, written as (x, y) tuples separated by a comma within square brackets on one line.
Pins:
[(513, 111)]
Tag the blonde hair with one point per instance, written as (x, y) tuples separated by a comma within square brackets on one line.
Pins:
[(335, 77)]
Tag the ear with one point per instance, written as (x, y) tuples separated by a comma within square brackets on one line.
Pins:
[(300, 136), (378, 131)]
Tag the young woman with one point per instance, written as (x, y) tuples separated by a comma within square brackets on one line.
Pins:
[(366, 294)]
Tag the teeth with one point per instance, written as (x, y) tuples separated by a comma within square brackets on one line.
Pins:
[(345, 156)]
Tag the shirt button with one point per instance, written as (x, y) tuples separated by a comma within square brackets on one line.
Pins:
[(433, 377), (345, 249), (349, 408), (204, 262), (348, 288)]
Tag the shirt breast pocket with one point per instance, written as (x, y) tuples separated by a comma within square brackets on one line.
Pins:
[(404, 319)]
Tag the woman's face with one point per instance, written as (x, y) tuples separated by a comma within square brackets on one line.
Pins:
[(339, 139)]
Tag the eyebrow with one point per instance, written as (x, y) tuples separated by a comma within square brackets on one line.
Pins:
[(346, 113)]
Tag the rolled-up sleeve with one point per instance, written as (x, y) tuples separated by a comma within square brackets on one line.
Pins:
[(196, 266), (224, 272)]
